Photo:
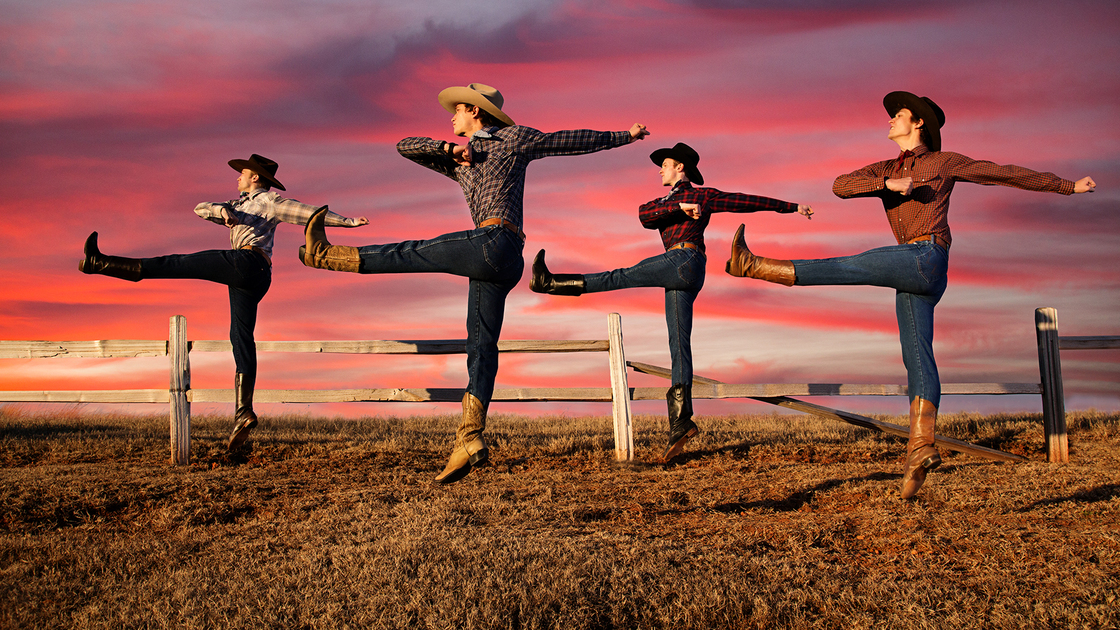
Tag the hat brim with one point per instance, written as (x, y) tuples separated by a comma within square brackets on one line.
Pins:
[(240, 165), (452, 96), (690, 171), (919, 107)]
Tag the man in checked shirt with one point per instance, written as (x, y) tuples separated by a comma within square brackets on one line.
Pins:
[(681, 216), (490, 168), (914, 189), (246, 268)]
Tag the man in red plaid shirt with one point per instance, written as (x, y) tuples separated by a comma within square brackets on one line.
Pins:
[(914, 189), (681, 216)]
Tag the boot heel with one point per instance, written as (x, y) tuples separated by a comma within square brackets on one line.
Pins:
[(481, 458)]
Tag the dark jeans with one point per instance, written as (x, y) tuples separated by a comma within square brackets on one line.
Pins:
[(917, 272), (248, 276), (491, 258), (681, 273)]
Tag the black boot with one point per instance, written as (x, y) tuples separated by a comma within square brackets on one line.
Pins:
[(555, 284), (243, 417), (114, 266), (681, 426)]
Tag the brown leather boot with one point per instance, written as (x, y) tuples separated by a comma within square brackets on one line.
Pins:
[(544, 281), (113, 266), (922, 454), (244, 419), (744, 264), (319, 253), (470, 451), (681, 426)]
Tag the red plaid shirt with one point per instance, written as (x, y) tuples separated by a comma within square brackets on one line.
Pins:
[(926, 209), (494, 182), (665, 214)]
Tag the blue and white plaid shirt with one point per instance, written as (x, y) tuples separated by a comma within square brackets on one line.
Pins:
[(258, 213)]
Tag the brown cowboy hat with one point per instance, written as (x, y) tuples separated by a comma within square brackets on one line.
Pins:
[(922, 107), (684, 154), (260, 165), (479, 95)]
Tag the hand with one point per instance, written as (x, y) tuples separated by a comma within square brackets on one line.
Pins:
[(228, 217), (903, 185), (1085, 184), (805, 211), (461, 153), (691, 209), (361, 221), (638, 131)]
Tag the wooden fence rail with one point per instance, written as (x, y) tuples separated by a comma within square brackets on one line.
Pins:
[(180, 395)]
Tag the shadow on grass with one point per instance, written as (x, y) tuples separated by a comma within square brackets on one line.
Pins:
[(1092, 495), (795, 501)]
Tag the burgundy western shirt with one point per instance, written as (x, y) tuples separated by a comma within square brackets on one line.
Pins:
[(926, 209)]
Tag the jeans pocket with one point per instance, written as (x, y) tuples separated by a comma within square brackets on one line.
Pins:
[(933, 263)]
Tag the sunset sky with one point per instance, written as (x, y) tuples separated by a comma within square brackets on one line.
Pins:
[(120, 116)]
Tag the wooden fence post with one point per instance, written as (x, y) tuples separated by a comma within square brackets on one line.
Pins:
[(1053, 397), (620, 391), (180, 361)]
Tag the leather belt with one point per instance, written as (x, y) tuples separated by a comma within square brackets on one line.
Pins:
[(261, 252), (684, 245), (930, 237), (500, 222)]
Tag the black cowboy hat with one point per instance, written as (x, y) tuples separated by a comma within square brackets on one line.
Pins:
[(684, 154), (260, 165), (922, 107)]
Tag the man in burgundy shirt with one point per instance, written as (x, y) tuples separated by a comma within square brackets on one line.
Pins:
[(681, 216), (914, 189), (490, 168)]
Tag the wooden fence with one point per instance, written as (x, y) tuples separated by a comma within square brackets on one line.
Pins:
[(179, 395)]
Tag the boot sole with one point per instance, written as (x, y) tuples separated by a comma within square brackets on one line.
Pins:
[(676, 448)]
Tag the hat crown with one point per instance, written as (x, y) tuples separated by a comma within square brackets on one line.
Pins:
[(488, 93)]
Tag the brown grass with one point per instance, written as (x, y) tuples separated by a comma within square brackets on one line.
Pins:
[(768, 521)]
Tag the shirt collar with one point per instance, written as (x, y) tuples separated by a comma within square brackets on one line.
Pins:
[(485, 132)]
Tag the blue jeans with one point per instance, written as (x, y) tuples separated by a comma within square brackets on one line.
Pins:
[(917, 272), (248, 276), (491, 258), (681, 273)]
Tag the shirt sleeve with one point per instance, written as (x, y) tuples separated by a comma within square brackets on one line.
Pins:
[(986, 173), (869, 181), (426, 153), (212, 211), (536, 144), (719, 201)]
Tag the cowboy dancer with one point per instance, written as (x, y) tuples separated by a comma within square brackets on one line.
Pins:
[(490, 168), (681, 217), (914, 189), (246, 268)]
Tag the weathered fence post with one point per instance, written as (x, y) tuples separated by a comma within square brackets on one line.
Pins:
[(620, 391), (180, 361), (1053, 397)]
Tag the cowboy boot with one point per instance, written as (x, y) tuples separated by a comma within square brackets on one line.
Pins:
[(681, 426), (114, 266), (243, 417), (744, 264), (555, 284), (470, 451), (319, 253), (922, 454)]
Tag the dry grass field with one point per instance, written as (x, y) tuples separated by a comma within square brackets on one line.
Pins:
[(775, 521)]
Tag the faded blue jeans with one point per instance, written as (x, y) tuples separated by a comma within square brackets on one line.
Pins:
[(917, 272), (681, 273), (248, 276), (491, 258)]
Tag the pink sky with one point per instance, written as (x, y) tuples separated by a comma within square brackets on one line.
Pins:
[(120, 117)]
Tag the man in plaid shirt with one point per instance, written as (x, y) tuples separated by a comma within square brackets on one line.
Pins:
[(914, 189), (681, 216), (490, 168), (246, 268)]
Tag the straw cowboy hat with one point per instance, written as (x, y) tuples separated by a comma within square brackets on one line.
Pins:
[(922, 107), (479, 95), (260, 165), (684, 154)]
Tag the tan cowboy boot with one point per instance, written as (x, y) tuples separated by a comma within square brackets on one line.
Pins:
[(744, 264), (923, 456), (319, 253), (470, 451)]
